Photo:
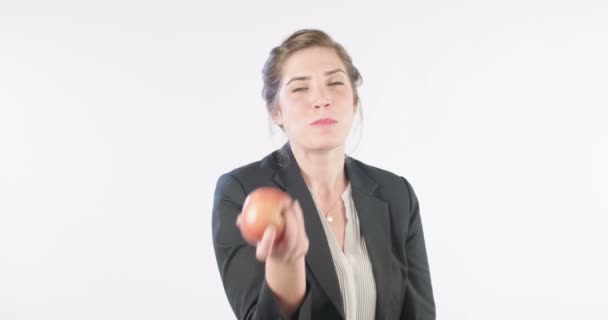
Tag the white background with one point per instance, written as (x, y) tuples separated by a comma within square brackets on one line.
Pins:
[(117, 118)]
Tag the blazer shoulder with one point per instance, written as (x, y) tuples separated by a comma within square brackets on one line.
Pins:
[(254, 173), (384, 177)]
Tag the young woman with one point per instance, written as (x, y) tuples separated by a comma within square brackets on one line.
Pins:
[(353, 246)]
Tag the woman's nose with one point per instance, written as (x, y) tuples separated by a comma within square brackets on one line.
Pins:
[(320, 103), (322, 99)]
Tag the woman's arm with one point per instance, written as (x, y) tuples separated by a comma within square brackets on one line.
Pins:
[(419, 303), (276, 289)]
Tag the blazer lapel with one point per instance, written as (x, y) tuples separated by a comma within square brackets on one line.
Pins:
[(374, 221), (318, 258)]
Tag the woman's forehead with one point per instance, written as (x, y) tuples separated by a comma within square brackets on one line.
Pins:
[(311, 61)]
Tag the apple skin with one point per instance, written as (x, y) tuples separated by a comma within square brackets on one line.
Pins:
[(264, 207)]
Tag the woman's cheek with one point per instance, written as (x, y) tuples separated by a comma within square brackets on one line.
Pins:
[(345, 94)]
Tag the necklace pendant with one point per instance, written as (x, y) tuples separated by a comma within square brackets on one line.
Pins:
[(330, 219)]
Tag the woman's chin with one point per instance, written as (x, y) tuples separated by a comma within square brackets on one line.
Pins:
[(321, 143), (326, 146)]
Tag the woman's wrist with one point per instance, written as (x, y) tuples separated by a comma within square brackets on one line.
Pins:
[(287, 280)]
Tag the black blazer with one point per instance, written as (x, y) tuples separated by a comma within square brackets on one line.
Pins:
[(390, 223)]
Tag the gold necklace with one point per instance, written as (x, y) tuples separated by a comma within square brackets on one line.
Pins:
[(328, 217)]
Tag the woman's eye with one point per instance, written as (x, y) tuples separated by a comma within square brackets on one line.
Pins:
[(336, 83), (299, 89)]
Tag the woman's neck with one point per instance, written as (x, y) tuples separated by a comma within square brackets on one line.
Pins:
[(323, 171)]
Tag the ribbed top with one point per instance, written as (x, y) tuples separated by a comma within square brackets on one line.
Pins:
[(353, 267)]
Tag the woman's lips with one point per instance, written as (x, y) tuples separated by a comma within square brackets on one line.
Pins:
[(324, 122)]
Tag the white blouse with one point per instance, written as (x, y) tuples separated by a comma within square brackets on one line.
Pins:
[(353, 267)]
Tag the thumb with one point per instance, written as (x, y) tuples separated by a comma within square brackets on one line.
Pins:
[(265, 246)]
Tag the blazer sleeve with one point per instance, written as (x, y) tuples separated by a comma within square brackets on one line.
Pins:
[(418, 303), (241, 273)]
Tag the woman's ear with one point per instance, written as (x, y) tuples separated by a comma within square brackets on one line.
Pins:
[(277, 116)]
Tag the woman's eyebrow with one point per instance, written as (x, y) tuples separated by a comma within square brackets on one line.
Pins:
[(327, 73), (296, 79)]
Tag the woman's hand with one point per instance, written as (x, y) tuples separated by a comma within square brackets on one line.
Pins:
[(294, 244), (285, 271)]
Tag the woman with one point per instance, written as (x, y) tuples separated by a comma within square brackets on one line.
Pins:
[(353, 246)]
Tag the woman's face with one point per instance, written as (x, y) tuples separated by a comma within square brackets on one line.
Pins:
[(314, 86)]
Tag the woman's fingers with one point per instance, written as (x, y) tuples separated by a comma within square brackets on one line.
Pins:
[(281, 245), (238, 220), (294, 245), (299, 215), (265, 246)]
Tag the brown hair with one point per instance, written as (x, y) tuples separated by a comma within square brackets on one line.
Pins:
[(302, 39)]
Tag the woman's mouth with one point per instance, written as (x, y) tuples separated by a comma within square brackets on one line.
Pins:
[(324, 122)]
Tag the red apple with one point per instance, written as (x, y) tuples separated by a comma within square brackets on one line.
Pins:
[(263, 207)]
